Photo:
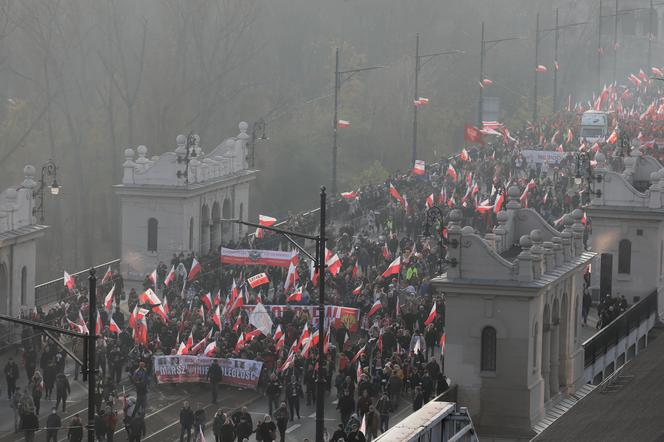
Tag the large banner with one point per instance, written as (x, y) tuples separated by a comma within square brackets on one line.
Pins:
[(178, 369), (541, 156), (348, 316), (251, 257)]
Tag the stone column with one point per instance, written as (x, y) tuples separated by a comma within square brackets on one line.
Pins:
[(555, 359), (546, 353)]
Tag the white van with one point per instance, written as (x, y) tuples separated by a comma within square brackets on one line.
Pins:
[(594, 126)]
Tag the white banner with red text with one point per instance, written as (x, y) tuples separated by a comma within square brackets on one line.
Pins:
[(348, 316), (252, 257), (177, 369)]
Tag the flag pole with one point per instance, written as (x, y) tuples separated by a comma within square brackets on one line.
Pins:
[(92, 347), (320, 264)]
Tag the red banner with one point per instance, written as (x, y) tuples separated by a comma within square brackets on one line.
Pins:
[(251, 257), (178, 369)]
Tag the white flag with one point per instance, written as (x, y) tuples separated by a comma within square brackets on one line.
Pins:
[(260, 319)]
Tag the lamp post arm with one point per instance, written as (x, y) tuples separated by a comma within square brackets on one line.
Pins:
[(272, 229)]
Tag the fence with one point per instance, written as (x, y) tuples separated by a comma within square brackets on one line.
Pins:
[(53, 291)]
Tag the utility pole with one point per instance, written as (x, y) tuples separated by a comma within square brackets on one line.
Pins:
[(338, 81), (599, 47), (92, 348), (537, 30), (481, 103), (320, 255), (415, 97), (615, 44), (555, 66)]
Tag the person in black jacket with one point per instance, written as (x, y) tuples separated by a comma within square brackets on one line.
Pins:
[(244, 425), (186, 421), (30, 424), (418, 400), (293, 394), (273, 392), (75, 433), (338, 435), (53, 424), (62, 390), (214, 376), (137, 427), (11, 374)]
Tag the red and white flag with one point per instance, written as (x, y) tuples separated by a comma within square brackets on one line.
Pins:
[(394, 268), (292, 277), (395, 193), (164, 304), (258, 280), (216, 318), (113, 327), (70, 283), (432, 315), (152, 277), (486, 82), (463, 156), (265, 221), (386, 252), (356, 269), (419, 168), (107, 276), (541, 68), (363, 425), (472, 134), (206, 299), (210, 349), (374, 308), (170, 277), (333, 264), (278, 333), (429, 201), (442, 344), (296, 296), (280, 342), (452, 173), (343, 124), (195, 270), (108, 300), (498, 205), (358, 355), (350, 195), (99, 325), (357, 290)]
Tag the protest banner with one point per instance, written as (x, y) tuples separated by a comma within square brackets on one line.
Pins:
[(334, 315), (179, 369), (252, 257)]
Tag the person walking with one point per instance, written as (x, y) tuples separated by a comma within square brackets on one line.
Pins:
[(371, 420), (214, 376), (37, 383), (266, 430), (29, 424), (100, 425), (110, 422), (137, 427), (186, 421), (218, 421), (75, 432), (273, 391), (62, 390), (383, 407), (293, 394), (244, 425), (227, 431), (53, 424), (11, 375), (281, 416)]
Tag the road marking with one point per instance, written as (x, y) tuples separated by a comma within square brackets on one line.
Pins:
[(155, 412), (293, 428), (312, 415), (335, 402)]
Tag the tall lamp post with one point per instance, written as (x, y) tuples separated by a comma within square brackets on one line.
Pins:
[(319, 262), (420, 61), (485, 46), (49, 169), (189, 154), (435, 218), (259, 127), (585, 171), (340, 76)]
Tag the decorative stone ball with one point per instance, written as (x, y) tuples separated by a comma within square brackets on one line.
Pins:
[(502, 217), (525, 242), (11, 194), (29, 170), (142, 150), (568, 220), (243, 126), (456, 216), (577, 214), (467, 230), (181, 140), (536, 236), (129, 153)]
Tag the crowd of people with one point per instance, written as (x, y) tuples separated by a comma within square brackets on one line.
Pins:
[(394, 351)]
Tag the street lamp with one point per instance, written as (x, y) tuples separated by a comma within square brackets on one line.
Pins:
[(339, 78), (190, 153), (319, 262), (420, 61), (49, 169), (584, 170), (259, 126), (434, 215)]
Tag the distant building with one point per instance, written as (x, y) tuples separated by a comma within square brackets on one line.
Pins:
[(175, 202), (18, 246), (513, 303), (628, 228)]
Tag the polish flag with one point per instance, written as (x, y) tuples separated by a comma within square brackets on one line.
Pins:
[(343, 124), (419, 168), (499, 202), (99, 325), (74, 326), (113, 327), (657, 71), (265, 221), (217, 297), (278, 333), (152, 277), (326, 341), (239, 302), (486, 82), (296, 296), (240, 343), (108, 300), (452, 173), (216, 318), (140, 333), (292, 277), (386, 252), (432, 315), (642, 75), (182, 349), (374, 308), (394, 268), (195, 270), (541, 68), (398, 307), (258, 280), (280, 343), (303, 336), (358, 355), (170, 277), (288, 362), (201, 312), (358, 376), (69, 281), (313, 274), (429, 201), (595, 147), (357, 290), (442, 344), (107, 276), (464, 155), (363, 425), (612, 138), (233, 292), (556, 65), (207, 300), (395, 193), (346, 343), (584, 219), (333, 264), (349, 195), (210, 349), (238, 322), (472, 134), (423, 100)]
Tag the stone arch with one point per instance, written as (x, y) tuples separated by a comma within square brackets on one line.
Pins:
[(24, 285), (4, 289), (227, 212), (546, 350), (554, 358), (535, 344), (215, 228), (205, 229)]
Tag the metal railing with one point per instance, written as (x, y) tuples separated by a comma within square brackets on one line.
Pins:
[(598, 344), (53, 291)]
